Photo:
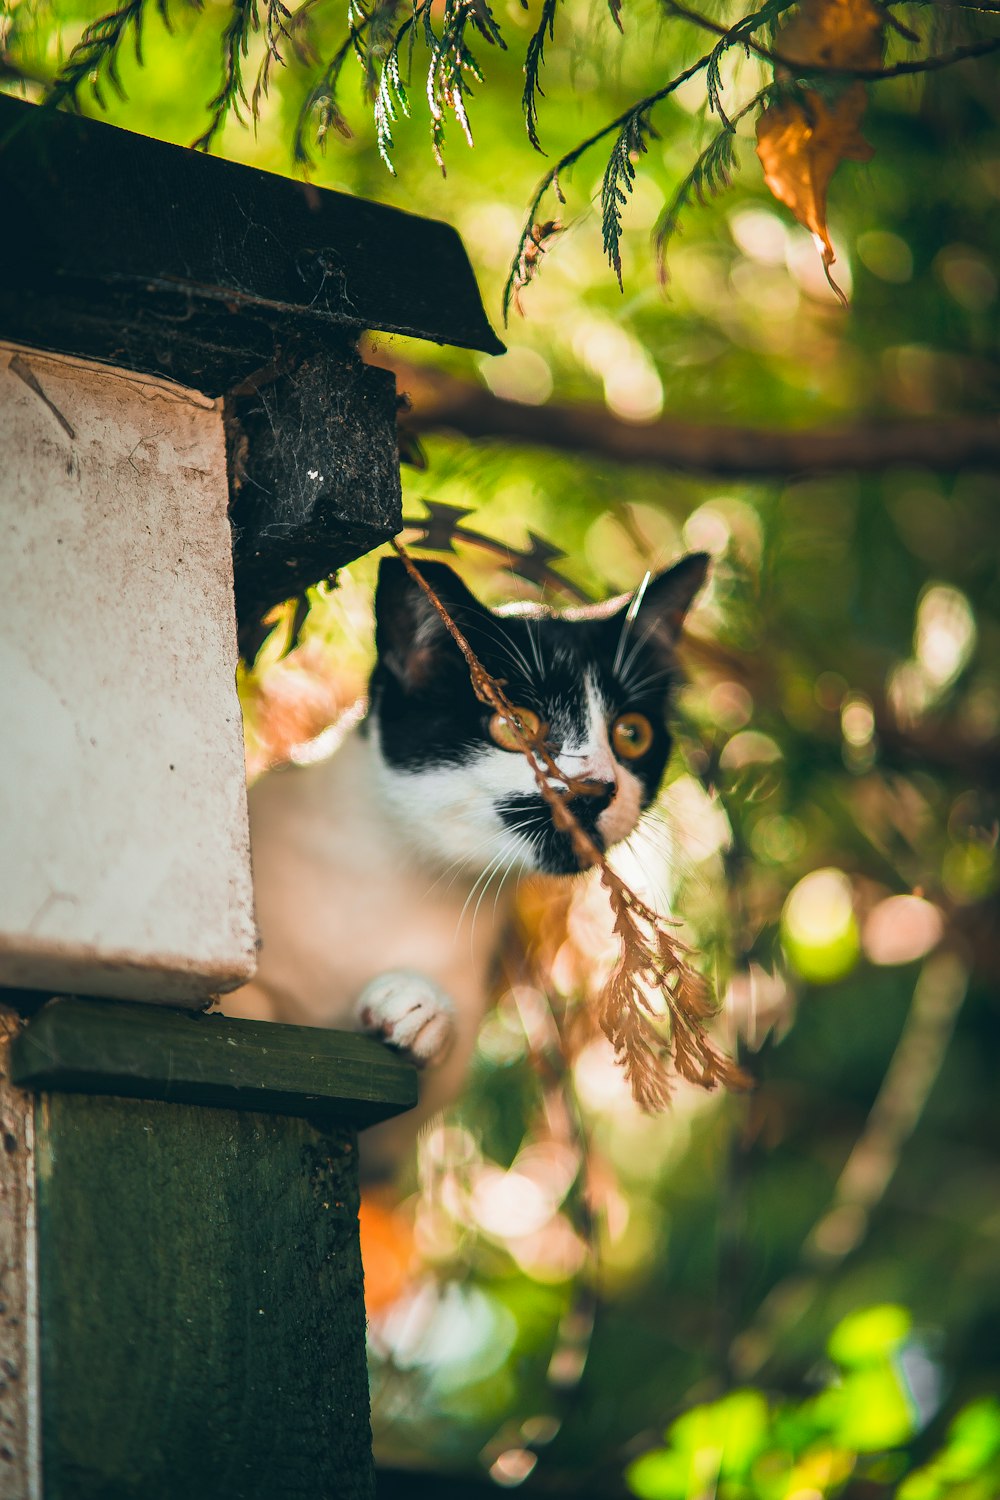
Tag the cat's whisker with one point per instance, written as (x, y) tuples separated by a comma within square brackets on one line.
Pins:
[(512, 650), (637, 647), (500, 884), (503, 878), (640, 847), (643, 684), (493, 870), (488, 873), (684, 866), (456, 866), (520, 667), (534, 641), (484, 875), (628, 622), (516, 654), (661, 828), (657, 839)]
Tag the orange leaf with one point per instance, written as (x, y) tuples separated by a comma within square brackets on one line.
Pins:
[(833, 34), (801, 143)]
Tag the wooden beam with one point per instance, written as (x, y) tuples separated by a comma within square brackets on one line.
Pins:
[(145, 1052)]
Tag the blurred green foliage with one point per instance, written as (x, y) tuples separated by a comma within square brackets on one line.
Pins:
[(839, 752), (742, 1447)]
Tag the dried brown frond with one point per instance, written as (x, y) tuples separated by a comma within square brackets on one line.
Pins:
[(537, 242), (652, 959)]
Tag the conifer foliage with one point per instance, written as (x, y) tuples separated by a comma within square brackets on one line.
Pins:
[(823, 57)]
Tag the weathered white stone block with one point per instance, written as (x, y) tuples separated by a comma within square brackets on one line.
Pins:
[(124, 859)]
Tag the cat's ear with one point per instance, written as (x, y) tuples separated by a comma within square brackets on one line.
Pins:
[(411, 638), (659, 610)]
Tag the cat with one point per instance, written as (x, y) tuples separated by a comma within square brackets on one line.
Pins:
[(383, 875)]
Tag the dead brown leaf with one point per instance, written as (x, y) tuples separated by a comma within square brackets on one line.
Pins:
[(802, 140), (801, 143), (833, 34)]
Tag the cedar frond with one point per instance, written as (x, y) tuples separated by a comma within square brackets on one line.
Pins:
[(320, 110), (391, 99), (515, 277), (738, 35), (530, 263), (452, 63), (711, 174), (96, 54), (374, 35), (530, 247), (243, 22), (281, 26), (378, 43), (651, 956), (619, 178), (534, 59)]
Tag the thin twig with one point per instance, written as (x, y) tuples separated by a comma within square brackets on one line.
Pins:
[(833, 70)]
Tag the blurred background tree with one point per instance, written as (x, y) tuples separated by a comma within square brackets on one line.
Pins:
[(796, 1291)]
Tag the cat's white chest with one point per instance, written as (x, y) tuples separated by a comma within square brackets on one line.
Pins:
[(340, 899)]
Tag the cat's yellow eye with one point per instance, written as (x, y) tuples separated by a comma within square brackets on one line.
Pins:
[(528, 722), (631, 736)]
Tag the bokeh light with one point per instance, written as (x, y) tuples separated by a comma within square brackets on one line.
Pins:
[(818, 927), (901, 929)]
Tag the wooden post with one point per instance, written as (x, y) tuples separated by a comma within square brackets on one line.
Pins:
[(190, 437), (199, 1293), (20, 1459)]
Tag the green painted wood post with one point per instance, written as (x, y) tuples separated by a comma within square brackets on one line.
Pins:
[(199, 1281)]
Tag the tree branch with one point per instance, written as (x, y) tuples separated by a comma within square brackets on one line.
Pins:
[(439, 401), (517, 277), (800, 69)]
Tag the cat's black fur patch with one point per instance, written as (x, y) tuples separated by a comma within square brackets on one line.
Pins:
[(529, 815), (428, 714)]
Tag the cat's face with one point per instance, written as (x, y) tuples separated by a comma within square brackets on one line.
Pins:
[(593, 683)]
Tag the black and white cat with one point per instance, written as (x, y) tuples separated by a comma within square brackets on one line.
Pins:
[(383, 875)]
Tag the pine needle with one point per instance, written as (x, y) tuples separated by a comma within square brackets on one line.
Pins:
[(651, 958)]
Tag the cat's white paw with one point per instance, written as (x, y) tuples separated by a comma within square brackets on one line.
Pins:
[(410, 1012)]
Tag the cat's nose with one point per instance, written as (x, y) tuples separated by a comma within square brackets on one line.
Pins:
[(597, 792)]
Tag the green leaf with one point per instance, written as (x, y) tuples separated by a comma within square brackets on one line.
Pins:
[(731, 1432), (868, 1411), (660, 1475), (869, 1336)]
